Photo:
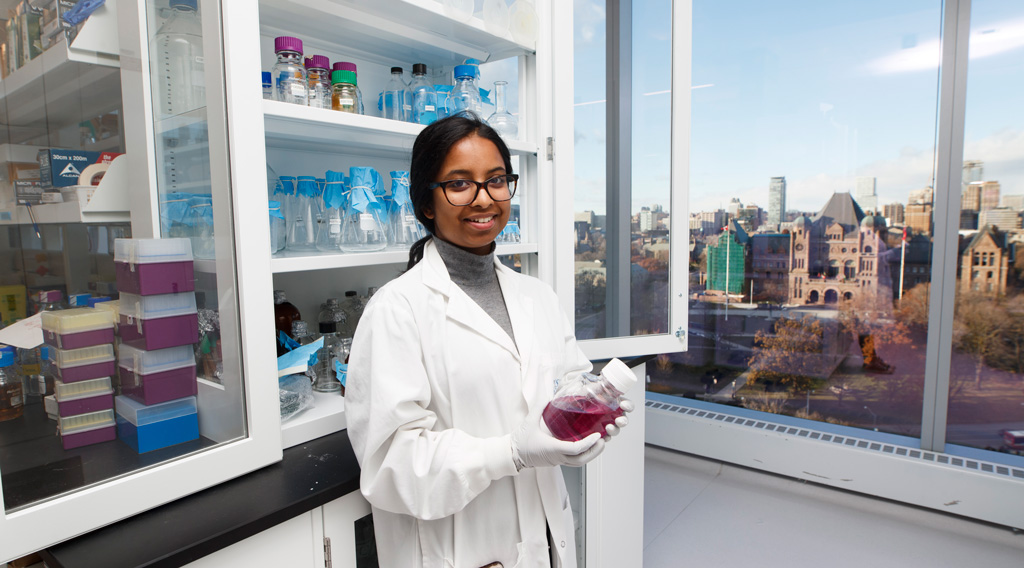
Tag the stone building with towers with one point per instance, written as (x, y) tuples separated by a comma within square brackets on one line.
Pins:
[(835, 256)]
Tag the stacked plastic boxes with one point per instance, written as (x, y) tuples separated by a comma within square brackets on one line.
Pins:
[(158, 324), (81, 345)]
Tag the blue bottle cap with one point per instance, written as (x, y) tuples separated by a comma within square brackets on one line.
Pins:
[(6, 348), (267, 80), (464, 71), (6, 358), (44, 351)]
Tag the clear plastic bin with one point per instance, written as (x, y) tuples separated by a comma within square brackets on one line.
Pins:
[(158, 322), (77, 328), (83, 397), (73, 365), (154, 266), (147, 428), (152, 377), (85, 429)]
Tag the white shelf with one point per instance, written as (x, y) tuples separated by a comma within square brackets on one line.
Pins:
[(302, 261), (108, 203), (325, 417), (387, 31), (296, 127), (67, 84)]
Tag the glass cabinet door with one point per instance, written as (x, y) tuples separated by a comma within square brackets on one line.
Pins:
[(169, 412)]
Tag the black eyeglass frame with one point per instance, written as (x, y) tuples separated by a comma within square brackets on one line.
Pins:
[(512, 180)]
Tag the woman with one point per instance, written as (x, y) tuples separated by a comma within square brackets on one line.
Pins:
[(451, 366)]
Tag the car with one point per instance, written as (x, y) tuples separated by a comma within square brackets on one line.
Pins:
[(1013, 439)]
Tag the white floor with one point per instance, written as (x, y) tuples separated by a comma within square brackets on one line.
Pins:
[(699, 512)]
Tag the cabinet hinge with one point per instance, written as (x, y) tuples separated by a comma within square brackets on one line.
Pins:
[(550, 148), (327, 552)]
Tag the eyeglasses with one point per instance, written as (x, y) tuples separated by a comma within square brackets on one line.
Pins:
[(461, 192)]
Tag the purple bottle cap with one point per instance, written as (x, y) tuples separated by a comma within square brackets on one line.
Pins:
[(319, 62), (307, 62), (287, 43), (344, 66)]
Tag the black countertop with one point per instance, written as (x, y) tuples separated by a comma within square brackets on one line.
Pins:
[(308, 476)]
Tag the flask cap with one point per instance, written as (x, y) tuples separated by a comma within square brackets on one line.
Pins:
[(6, 358), (344, 66), (287, 43), (343, 77), (618, 375), (397, 70), (319, 62), (419, 68), (299, 328), (463, 71)]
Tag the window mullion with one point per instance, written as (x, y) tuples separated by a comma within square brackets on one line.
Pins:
[(949, 159)]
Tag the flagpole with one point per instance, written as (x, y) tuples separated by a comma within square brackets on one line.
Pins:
[(903, 259)]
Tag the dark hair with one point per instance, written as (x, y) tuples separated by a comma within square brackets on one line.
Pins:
[(428, 154)]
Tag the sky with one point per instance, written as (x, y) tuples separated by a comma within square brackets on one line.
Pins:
[(818, 92)]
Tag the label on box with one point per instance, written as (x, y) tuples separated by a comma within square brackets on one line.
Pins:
[(61, 168)]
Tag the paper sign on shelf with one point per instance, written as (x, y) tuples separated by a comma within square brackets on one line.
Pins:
[(26, 333)]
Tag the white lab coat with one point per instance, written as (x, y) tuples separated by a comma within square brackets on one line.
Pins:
[(435, 388)]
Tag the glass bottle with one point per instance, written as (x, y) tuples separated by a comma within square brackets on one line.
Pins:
[(424, 97), (353, 308), (345, 97), (588, 403), (405, 228), (302, 336), (278, 228), (397, 98), (12, 398), (328, 233), (364, 225), (302, 224), (177, 63), (445, 103), (327, 323), (348, 66), (284, 314), (320, 90), (290, 81), (504, 122), (268, 86), (466, 95), (341, 366)]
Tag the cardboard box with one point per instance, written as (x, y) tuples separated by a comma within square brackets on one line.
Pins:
[(13, 303), (61, 168), (28, 192)]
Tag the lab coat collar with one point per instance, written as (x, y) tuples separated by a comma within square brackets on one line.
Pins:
[(463, 309)]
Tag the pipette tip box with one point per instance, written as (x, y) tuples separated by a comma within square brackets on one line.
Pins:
[(148, 428)]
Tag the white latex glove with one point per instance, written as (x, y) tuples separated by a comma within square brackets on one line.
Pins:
[(534, 446), (613, 429)]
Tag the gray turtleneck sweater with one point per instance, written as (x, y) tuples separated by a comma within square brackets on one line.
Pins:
[(476, 275)]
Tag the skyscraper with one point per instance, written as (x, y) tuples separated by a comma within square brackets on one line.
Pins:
[(865, 195), (973, 171), (777, 200)]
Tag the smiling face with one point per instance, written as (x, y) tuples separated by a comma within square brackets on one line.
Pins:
[(475, 226)]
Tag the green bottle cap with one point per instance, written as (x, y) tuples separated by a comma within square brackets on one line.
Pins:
[(343, 77)]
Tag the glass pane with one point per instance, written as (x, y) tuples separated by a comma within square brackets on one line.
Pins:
[(590, 159), (85, 393), (60, 112), (651, 167), (812, 156), (985, 395)]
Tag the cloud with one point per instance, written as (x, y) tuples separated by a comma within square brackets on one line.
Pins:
[(589, 21), (986, 42)]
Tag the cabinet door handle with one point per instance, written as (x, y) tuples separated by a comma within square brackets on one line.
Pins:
[(327, 552)]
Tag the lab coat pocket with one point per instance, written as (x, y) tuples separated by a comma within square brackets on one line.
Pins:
[(531, 556)]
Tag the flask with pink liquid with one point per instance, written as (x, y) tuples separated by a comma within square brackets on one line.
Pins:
[(588, 403)]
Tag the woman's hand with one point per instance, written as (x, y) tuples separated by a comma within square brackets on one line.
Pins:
[(613, 429)]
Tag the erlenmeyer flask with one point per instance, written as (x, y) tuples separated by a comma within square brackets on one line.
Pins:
[(405, 228), (302, 225), (328, 235), (363, 228)]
